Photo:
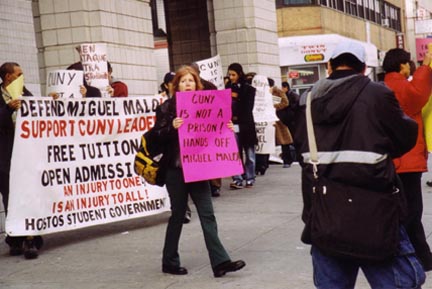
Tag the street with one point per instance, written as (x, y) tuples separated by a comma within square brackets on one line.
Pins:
[(260, 225)]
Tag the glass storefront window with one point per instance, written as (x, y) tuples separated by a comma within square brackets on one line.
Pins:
[(303, 76)]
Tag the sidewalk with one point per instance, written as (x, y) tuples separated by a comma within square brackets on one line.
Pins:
[(260, 225)]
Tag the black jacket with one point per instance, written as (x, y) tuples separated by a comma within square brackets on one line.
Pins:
[(165, 135), (242, 112), (359, 128), (7, 133)]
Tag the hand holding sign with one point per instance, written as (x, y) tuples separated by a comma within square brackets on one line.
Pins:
[(208, 148)]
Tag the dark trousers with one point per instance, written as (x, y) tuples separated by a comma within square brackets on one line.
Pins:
[(287, 154), (200, 194), (414, 227), (4, 189)]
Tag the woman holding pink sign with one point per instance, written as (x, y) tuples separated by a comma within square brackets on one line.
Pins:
[(166, 134)]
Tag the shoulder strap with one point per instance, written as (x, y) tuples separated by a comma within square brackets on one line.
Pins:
[(311, 136)]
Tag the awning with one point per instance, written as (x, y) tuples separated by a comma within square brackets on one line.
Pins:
[(312, 49)]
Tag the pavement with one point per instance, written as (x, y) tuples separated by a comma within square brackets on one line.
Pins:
[(260, 225)]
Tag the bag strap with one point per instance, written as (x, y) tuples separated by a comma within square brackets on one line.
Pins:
[(311, 136)]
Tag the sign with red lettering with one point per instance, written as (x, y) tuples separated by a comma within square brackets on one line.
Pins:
[(208, 148), (72, 164)]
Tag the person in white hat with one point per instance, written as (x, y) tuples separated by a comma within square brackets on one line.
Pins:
[(359, 128)]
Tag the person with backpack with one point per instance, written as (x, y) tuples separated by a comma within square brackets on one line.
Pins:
[(165, 132)]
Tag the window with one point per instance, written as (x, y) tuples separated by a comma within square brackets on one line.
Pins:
[(297, 2), (373, 10), (351, 7), (284, 3)]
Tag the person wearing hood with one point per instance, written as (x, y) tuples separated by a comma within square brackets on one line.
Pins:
[(359, 128)]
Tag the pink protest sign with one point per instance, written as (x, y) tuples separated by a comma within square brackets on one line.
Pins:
[(208, 148), (421, 47)]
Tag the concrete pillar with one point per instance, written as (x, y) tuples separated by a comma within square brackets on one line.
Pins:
[(124, 25), (17, 40), (246, 32)]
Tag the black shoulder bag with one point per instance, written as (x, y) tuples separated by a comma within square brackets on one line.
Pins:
[(347, 221)]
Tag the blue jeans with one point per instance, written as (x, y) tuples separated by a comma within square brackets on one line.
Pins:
[(248, 162), (402, 272)]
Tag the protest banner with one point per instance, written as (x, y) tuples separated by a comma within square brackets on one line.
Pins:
[(208, 148), (211, 70), (66, 83), (72, 164), (94, 61), (263, 107), (266, 137), (264, 115)]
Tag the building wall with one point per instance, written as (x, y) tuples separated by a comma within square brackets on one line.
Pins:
[(246, 32), (124, 25), (296, 21), (188, 31), (17, 39)]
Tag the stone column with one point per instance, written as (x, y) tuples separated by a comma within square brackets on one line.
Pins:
[(124, 25), (17, 40), (246, 32)]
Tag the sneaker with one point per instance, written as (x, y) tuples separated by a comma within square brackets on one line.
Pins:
[(236, 185), (249, 184), (30, 250)]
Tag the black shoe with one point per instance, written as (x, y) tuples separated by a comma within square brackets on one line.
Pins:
[(15, 245), (30, 250), (188, 217), (228, 266), (216, 193), (174, 270), (429, 183), (38, 241)]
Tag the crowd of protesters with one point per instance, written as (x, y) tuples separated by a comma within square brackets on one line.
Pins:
[(379, 151)]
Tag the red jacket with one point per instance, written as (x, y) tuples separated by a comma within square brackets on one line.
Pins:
[(412, 96)]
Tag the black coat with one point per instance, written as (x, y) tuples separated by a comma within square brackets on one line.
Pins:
[(360, 126), (7, 133), (242, 108)]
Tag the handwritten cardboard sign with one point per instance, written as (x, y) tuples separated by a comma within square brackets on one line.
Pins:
[(263, 108), (66, 83), (94, 61), (211, 70), (208, 148)]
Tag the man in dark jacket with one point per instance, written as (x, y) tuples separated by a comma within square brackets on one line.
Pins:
[(359, 128), (10, 71)]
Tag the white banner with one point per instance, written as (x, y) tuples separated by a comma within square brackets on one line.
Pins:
[(211, 70), (66, 83), (263, 108), (94, 61), (266, 137), (72, 164)]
